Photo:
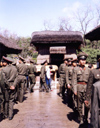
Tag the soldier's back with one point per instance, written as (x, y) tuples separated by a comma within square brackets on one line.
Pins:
[(22, 69)]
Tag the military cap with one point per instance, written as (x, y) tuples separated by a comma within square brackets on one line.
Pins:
[(14, 62), (31, 61), (82, 56), (90, 65), (44, 62), (21, 58), (7, 59), (74, 60), (66, 58), (70, 59)]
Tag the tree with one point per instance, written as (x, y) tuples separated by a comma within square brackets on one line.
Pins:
[(64, 24), (27, 50), (48, 25), (92, 54), (84, 18), (97, 16), (22, 42)]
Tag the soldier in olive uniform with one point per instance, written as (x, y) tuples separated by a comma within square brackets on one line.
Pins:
[(79, 80), (74, 97), (2, 87), (69, 81), (32, 75), (21, 79), (9, 74), (43, 77), (94, 77), (62, 77)]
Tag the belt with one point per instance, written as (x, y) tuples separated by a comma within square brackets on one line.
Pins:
[(83, 83)]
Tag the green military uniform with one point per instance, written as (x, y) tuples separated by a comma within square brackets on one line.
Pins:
[(69, 71), (62, 77), (74, 97), (79, 80), (2, 86), (69, 83), (32, 75), (90, 91), (21, 80), (73, 90), (9, 74), (69, 78), (94, 78), (43, 77)]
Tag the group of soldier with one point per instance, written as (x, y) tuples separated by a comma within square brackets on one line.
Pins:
[(78, 80), (74, 77), (13, 83)]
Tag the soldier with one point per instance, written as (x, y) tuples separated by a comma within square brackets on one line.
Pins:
[(21, 79), (9, 74), (79, 80), (32, 75), (2, 87), (43, 77), (70, 68), (62, 77), (74, 97), (69, 61), (90, 66), (94, 78)]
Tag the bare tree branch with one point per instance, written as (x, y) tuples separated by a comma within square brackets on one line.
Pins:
[(84, 18)]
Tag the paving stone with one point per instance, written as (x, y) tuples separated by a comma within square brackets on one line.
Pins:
[(41, 110)]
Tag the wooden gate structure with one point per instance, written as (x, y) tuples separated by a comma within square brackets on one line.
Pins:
[(55, 45)]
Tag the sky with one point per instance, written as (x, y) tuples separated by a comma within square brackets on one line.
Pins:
[(22, 17)]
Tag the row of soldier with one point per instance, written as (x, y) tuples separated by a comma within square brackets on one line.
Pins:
[(13, 83), (79, 81)]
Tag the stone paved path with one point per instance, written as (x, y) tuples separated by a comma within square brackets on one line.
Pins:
[(41, 110)]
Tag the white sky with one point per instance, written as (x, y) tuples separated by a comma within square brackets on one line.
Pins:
[(23, 17)]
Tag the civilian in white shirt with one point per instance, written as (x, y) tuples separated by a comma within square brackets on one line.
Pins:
[(48, 77)]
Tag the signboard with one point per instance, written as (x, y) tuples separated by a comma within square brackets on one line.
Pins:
[(58, 50)]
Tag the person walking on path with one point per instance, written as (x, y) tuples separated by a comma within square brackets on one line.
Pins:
[(48, 77), (43, 76)]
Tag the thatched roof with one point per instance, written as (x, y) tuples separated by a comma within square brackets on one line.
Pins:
[(93, 34), (9, 44), (56, 36)]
